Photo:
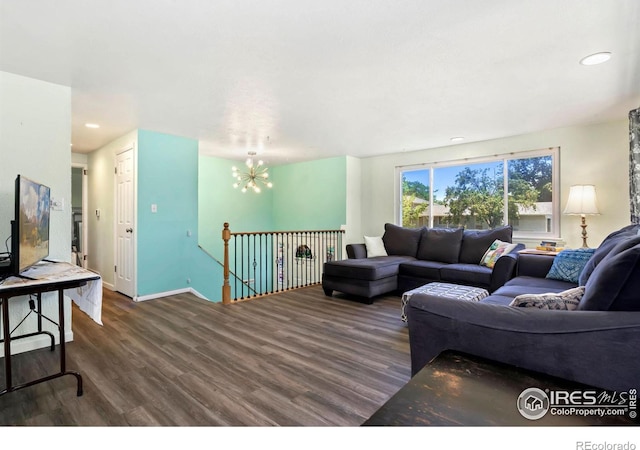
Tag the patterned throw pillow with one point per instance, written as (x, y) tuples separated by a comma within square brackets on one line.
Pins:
[(567, 300), (568, 264), (495, 251)]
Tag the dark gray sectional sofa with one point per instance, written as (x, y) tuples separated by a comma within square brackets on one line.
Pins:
[(597, 344), (417, 256)]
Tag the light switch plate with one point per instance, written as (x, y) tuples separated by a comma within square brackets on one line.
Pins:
[(57, 204)]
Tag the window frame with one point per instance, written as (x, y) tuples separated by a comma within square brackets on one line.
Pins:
[(554, 152)]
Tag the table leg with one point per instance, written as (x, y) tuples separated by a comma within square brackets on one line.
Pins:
[(53, 341), (63, 355), (7, 343), (63, 351)]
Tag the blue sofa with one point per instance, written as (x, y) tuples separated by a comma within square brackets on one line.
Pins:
[(417, 256), (597, 344)]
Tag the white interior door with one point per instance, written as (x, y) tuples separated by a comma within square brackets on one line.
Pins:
[(125, 231)]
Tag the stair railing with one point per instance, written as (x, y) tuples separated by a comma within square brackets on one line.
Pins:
[(269, 262)]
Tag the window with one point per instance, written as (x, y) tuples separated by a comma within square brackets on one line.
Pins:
[(517, 189)]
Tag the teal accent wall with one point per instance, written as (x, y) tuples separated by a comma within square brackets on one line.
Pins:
[(310, 195), (220, 202), (195, 194), (167, 177), (305, 196)]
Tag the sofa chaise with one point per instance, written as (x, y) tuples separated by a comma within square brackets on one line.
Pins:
[(417, 256), (595, 343)]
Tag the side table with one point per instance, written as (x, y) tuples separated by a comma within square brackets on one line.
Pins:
[(533, 251), (460, 389)]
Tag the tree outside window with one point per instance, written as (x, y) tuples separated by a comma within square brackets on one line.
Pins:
[(473, 195), (415, 200)]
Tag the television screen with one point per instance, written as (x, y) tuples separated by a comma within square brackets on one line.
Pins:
[(31, 228)]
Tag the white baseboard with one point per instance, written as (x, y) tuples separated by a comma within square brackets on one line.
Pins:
[(109, 286), (198, 294), (143, 298), (35, 342)]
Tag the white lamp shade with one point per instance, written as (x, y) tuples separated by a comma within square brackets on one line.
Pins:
[(582, 200)]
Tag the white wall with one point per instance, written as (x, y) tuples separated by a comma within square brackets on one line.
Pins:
[(35, 137), (79, 158), (353, 233), (101, 197), (594, 154)]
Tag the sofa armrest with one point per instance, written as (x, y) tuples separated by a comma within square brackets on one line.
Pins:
[(505, 268), (597, 348), (531, 265), (356, 251)]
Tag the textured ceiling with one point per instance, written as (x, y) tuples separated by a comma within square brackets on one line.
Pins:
[(298, 80)]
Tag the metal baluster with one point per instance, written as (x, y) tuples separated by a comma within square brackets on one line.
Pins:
[(235, 267), (240, 271)]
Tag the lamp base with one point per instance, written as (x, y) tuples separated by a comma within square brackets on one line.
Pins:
[(584, 232)]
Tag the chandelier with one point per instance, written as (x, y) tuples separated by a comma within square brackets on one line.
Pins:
[(255, 176)]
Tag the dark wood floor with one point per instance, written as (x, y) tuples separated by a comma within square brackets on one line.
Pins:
[(292, 359)]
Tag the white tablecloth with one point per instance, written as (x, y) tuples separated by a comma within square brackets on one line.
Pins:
[(87, 297)]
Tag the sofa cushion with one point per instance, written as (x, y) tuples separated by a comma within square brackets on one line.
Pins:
[(365, 269), (495, 251), (566, 300), (400, 240), (375, 246), (614, 284), (476, 242), (619, 244), (514, 291), (495, 299), (471, 274), (612, 240), (533, 285), (440, 244), (422, 269), (568, 264)]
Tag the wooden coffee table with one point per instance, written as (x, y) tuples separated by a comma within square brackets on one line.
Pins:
[(459, 389)]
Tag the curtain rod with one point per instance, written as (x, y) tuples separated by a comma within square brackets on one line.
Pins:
[(473, 158)]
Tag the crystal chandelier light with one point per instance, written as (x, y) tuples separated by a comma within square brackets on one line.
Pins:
[(255, 175)]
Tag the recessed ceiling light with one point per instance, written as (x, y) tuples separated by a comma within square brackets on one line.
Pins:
[(457, 139), (596, 58), (92, 125)]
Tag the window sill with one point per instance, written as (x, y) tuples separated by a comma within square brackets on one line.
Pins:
[(534, 241)]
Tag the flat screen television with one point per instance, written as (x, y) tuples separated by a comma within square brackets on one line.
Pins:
[(30, 229)]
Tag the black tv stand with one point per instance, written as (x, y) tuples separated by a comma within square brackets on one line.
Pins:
[(5, 265), (24, 277), (8, 274)]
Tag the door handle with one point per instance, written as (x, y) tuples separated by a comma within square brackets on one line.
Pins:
[(129, 230)]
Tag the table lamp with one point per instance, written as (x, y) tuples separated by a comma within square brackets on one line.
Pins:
[(582, 201)]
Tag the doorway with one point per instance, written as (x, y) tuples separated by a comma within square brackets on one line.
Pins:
[(79, 225)]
